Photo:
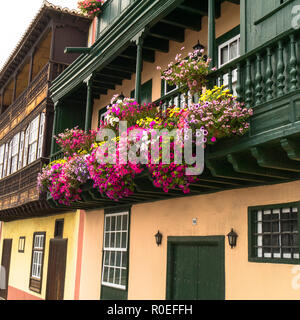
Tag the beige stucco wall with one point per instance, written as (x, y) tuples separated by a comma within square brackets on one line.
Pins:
[(21, 262), (90, 282), (217, 214), (229, 19)]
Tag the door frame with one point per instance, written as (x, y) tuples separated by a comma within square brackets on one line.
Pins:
[(7, 272), (53, 241), (218, 241)]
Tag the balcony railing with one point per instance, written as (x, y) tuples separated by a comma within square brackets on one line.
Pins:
[(17, 110), (112, 11), (266, 73), (20, 187)]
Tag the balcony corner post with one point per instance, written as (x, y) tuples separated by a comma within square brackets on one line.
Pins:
[(55, 122), (89, 103), (212, 30), (139, 40)]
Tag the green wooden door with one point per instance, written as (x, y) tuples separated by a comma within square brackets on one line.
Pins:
[(196, 268)]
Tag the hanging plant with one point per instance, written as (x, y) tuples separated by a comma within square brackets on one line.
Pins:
[(217, 115), (189, 74), (90, 7)]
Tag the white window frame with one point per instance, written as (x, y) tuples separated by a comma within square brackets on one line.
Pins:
[(15, 153), (2, 156), (109, 250), (234, 72), (33, 143), (42, 121), (37, 256)]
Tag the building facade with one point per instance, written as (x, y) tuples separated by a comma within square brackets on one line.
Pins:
[(25, 142), (250, 183)]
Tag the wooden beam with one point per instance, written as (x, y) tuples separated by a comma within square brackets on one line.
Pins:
[(167, 32), (156, 44), (108, 79), (247, 164), (187, 21), (116, 74), (274, 158), (130, 53), (221, 168), (292, 148), (104, 85)]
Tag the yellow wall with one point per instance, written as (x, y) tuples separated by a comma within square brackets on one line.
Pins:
[(229, 19), (217, 214), (21, 262)]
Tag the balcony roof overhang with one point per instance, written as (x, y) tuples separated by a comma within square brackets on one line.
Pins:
[(33, 33), (113, 57)]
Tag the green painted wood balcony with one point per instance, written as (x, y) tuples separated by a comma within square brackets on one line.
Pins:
[(268, 80)]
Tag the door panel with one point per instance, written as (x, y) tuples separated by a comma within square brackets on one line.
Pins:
[(56, 269), (196, 269), (5, 262)]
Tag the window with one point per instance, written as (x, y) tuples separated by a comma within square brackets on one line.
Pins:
[(5, 160), (21, 248), (37, 261), (59, 229), (25, 147), (15, 153), (274, 233), (228, 50), (33, 140), (22, 144), (41, 135), (101, 116), (115, 260), (2, 152)]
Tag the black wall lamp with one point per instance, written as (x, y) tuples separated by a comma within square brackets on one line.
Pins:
[(121, 96), (232, 238), (158, 238), (199, 46)]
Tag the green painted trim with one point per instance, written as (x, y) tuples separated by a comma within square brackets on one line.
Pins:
[(270, 14), (224, 38), (243, 24), (108, 47), (123, 293), (207, 240), (251, 237)]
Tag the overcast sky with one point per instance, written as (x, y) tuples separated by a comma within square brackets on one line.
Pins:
[(15, 19)]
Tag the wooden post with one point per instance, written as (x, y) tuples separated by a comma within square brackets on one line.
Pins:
[(14, 88), (89, 104), (211, 30), (30, 67), (139, 39), (2, 101), (55, 122)]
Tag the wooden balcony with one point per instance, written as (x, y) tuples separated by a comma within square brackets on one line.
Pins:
[(268, 80), (30, 98), (19, 197)]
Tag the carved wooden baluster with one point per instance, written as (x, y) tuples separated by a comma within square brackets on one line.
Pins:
[(239, 83), (269, 76), (179, 100), (293, 64), (280, 70), (221, 80), (258, 80), (248, 84), (230, 81)]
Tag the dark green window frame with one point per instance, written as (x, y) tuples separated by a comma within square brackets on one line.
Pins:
[(146, 90), (253, 233)]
